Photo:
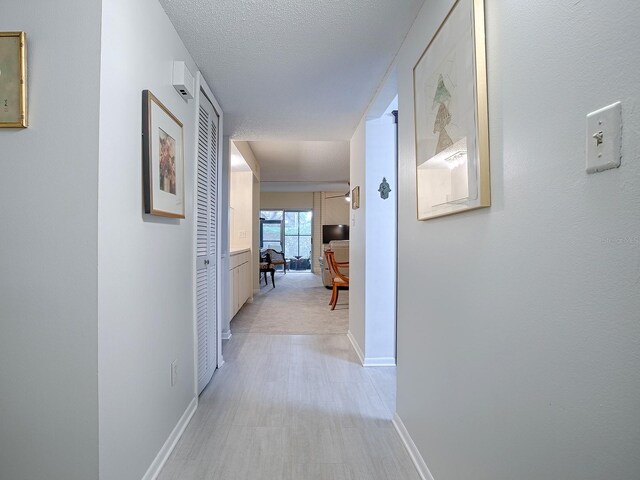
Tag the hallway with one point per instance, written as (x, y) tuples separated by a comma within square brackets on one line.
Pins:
[(293, 407)]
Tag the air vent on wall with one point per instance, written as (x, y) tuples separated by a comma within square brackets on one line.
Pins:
[(183, 81)]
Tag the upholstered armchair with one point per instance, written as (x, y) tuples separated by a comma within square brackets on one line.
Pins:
[(277, 258)]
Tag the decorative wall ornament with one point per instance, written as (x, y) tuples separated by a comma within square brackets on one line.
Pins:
[(13, 80), (384, 189), (355, 198), (162, 159), (451, 116)]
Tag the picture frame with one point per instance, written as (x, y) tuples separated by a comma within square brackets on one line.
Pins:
[(13, 80), (355, 198), (451, 116), (162, 159)]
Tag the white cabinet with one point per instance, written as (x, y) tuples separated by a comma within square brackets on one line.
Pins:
[(239, 279)]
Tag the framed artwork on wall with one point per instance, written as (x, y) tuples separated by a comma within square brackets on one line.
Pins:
[(451, 116), (355, 198), (13, 80), (162, 159)]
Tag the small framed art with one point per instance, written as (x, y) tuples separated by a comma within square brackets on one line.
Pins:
[(355, 198), (162, 159), (13, 80), (451, 116)]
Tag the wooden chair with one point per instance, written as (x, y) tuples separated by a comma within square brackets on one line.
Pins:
[(338, 280), (267, 267)]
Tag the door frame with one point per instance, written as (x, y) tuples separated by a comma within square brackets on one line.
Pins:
[(202, 89)]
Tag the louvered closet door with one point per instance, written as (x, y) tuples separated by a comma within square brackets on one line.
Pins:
[(206, 307)]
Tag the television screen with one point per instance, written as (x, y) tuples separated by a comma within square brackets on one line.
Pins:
[(334, 232)]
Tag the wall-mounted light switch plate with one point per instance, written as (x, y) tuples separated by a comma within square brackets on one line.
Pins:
[(604, 138)]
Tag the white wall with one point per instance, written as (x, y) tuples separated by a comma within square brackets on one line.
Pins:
[(518, 325), (335, 211), (357, 237), (241, 202), (372, 268), (380, 269), (244, 149), (225, 234), (249, 188), (146, 263), (48, 249), (255, 233), (286, 200)]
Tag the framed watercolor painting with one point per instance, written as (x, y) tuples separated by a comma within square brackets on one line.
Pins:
[(162, 159), (13, 80), (355, 198), (451, 116)]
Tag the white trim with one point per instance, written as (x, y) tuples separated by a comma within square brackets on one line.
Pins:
[(169, 445), (412, 450), (356, 347), (379, 362), (226, 334)]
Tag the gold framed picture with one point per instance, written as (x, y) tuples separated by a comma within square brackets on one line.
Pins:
[(13, 80), (162, 159), (451, 116), (355, 198)]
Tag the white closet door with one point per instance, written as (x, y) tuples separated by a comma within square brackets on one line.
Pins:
[(206, 227)]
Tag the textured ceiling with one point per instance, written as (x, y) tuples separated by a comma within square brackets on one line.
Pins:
[(292, 69)]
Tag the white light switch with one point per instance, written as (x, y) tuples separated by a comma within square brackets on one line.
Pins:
[(604, 138)]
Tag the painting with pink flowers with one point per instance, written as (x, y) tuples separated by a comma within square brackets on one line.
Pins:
[(162, 159), (167, 168)]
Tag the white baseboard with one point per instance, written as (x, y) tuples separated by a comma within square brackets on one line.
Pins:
[(169, 445), (416, 458), (356, 347), (370, 361), (379, 362), (226, 334)]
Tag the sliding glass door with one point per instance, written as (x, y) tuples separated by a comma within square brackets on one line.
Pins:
[(297, 239)]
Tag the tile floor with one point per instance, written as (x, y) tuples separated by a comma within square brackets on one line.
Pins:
[(293, 407)]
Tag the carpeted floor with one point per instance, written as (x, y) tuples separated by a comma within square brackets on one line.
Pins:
[(298, 305)]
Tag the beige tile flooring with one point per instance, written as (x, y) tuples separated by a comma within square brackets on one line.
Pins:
[(293, 407)]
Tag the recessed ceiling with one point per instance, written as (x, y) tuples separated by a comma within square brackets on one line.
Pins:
[(291, 69), (301, 162)]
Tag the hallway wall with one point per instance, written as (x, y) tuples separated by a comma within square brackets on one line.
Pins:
[(357, 236), (372, 318), (518, 325), (380, 263), (146, 263), (49, 250)]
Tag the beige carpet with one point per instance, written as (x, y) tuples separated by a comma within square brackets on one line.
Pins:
[(298, 305)]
